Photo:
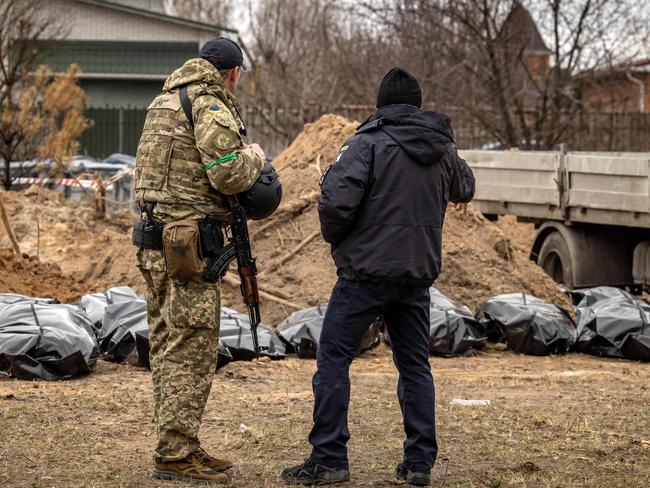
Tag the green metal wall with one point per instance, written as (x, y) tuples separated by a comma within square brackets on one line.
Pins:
[(116, 130), (116, 57), (117, 105), (121, 93)]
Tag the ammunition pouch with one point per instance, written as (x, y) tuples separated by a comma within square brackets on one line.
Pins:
[(148, 233), (185, 243), (181, 243)]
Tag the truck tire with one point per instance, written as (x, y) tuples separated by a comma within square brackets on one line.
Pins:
[(555, 259)]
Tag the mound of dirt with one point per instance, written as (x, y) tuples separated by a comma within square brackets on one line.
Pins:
[(294, 262), (28, 276), (95, 254), (316, 147), (521, 234), (478, 259)]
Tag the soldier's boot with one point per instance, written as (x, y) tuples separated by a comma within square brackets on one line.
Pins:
[(213, 463), (190, 470), (417, 478), (311, 473)]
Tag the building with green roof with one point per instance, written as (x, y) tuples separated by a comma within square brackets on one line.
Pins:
[(125, 49)]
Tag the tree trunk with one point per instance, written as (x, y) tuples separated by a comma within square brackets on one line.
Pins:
[(7, 224), (100, 198), (6, 180)]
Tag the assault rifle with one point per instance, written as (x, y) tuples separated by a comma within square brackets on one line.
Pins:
[(238, 248)]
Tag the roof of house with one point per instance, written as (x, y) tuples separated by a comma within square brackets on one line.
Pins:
[(635, 66), (638, 65), (159, 16), (519, 26)]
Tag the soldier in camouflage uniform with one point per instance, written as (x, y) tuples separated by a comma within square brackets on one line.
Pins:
[(186, 170)]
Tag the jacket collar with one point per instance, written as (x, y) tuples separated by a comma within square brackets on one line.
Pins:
[(390, 111), (408, 115)]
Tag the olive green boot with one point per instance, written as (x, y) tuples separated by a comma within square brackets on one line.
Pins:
[(191, 470)]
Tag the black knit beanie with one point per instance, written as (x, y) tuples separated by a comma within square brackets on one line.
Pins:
[(399, 86)]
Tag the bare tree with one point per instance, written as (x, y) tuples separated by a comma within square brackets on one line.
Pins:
[(291, 44), (522, 84), (517, 69), (307, 57), (32, 108)]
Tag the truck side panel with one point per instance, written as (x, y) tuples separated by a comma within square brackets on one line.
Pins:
[(514, 182), (573, 188), (608, 190)]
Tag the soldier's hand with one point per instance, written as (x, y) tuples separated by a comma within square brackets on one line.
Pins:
[(461, 207), (257, 150)]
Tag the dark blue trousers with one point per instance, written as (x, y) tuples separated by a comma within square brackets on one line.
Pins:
[(351, 310)]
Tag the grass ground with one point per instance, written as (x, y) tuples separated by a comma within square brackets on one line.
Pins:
[(570, 421)]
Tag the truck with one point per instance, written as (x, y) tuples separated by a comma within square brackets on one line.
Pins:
[(591, 210)]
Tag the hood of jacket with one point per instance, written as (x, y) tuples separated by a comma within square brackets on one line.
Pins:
[(194, 70), (425, 136), (199, 70)]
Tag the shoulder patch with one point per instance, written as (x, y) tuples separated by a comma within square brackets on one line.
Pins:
[(215, 109), (343, 149), (226, 139), (324, 175), (224, 118)]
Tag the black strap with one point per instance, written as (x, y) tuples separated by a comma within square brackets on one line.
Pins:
[(242, 126), (186, 104), (148, 208)]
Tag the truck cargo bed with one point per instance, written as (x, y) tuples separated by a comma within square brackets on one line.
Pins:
[(574, 187)]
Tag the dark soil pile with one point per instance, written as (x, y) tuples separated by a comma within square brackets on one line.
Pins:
[(28, 276)]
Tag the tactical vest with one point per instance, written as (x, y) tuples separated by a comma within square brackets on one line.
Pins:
[(168, 165)]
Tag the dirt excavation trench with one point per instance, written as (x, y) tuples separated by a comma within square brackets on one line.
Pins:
[(556, 421)]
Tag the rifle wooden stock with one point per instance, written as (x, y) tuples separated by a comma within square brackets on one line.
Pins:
[(250, 291)]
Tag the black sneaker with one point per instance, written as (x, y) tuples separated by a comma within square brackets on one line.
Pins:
[(418, 478), (311, 473)]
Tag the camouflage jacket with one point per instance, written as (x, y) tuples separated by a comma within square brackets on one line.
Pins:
[(188, 171)]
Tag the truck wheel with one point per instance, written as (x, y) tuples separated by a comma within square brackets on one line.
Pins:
[(555, 259)]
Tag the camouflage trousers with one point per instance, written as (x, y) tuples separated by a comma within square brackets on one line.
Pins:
[(184, 336)]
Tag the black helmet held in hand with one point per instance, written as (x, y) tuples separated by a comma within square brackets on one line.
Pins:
[(264, 197)]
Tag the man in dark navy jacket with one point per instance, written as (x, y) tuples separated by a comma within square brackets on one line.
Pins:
[(382, 208)]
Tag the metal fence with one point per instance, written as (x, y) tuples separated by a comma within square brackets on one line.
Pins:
[(118, 129), (115, 130), (611, 132)]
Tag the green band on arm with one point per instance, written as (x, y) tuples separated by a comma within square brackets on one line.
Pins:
[(223, 159)]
